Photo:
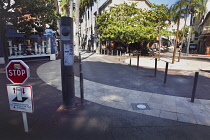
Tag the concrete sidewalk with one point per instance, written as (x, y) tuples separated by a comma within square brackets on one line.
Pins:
[(161, 106)]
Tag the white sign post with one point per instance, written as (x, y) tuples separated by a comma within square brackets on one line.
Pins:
[(20, 96)]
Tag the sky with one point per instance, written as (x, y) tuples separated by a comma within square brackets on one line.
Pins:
[(168, 2)]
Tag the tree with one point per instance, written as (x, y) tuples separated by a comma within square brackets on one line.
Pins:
[(66, 8), (128, 24), (189, 7), (42, 15)]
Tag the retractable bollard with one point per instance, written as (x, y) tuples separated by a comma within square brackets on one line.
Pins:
[(81, 80), (194, 87), (166, 73), (155, 67)]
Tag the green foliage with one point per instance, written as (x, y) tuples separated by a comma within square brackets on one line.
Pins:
[(85, 4), (42, 14), (128, 24)]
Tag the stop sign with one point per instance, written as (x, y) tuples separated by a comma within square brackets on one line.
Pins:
[(17, 71)]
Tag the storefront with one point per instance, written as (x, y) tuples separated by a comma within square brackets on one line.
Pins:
[(204, 44), (20, 46)]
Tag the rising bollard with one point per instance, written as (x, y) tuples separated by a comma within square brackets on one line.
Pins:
[(194, 87), (166, 73), (81, 80)]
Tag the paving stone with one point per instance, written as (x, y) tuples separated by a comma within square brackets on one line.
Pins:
[(205, 102), (168, 115), (189, 118), (123, 106), (170, 108), (156, 98), (169, 100), (184, 110), (154, 105), (109, 103), (152, 112), (204, 120)]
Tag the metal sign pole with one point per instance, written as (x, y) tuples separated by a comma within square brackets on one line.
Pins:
[(67, 61)]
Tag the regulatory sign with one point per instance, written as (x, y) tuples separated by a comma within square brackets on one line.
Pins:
[(17, 71), (20, 98), (68, 54)]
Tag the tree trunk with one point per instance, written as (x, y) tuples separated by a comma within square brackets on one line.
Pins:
[(77, 29), (180, 48), (4, 43), (175, 45)]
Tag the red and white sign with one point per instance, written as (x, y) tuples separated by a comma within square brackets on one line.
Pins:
[(17, 71), (20, 98)]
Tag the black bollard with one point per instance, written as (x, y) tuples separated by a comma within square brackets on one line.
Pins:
[(130, 59), (194, 86), (166, 73), (138, 61), (155, 66), (81, 81)]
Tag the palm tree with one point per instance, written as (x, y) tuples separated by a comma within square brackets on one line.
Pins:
[(174, 53), (189, 7), (66, 7)]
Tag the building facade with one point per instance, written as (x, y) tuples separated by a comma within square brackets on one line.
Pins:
[(88, 33), (204, 33)]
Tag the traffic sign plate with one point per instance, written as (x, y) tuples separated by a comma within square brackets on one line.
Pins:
[(20, 98), (17, 71)]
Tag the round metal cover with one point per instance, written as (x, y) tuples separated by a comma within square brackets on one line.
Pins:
[(141, 106)]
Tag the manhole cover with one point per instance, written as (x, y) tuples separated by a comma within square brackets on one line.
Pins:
[(140, 106)]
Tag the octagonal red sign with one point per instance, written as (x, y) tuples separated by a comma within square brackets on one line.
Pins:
[(17, 71)]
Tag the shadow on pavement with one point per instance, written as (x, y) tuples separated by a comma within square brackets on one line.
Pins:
[(143, 79)]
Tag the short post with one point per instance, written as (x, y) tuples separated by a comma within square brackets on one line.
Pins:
[(130, 59), (120, 55), (125, 57), (138, 61), (112, 52), (194, 86), (155, 66), (101, 50), (117, 54), (81, 80), (166, 73), (25, 122), (108, 52)]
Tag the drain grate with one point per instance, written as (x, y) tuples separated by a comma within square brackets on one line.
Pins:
[(140, 106)]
